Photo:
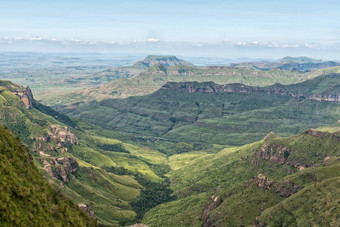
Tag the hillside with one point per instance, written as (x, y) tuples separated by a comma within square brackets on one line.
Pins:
[(104, 176), (289, 63), (278, 181), (26, 198), (232, 114)]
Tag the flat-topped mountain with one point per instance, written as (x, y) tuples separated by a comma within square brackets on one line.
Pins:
[(152, 60)]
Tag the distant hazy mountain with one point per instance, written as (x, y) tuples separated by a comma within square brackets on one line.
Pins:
[(152, 60), (289, 63)]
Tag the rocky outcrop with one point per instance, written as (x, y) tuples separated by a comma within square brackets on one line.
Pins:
[(137, 225), (60, 168), (326, 161), (25, 95), (86, 208), (212, 203), (58, 137), (285, 189), (316, 133), (325, 97), (258, 223), (61, 135), (277, 153)]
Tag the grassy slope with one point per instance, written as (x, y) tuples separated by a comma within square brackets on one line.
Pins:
[(230, 175), (107, 193), (26, 198)]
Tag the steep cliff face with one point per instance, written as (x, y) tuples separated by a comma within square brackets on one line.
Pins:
[(277, 89), (25, 95)]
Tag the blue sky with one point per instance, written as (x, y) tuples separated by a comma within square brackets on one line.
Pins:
[(287, 22)]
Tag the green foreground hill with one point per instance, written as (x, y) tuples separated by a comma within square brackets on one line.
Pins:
[(26, 198), (106, 177), (292, 181)]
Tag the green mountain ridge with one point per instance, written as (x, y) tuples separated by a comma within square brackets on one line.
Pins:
[(208, 113), (156, 76)]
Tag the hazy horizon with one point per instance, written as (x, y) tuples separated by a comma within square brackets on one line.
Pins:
[(254, 29)]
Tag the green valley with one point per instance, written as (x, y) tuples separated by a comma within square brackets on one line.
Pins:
[(191, 153), (207, 113)]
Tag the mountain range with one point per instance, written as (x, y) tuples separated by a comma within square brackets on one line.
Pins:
[(176, 145)]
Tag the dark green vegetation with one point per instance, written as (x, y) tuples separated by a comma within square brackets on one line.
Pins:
[(206, 113), (26, 198), (284, 181)]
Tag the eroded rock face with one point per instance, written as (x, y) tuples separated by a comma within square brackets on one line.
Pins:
[(57, 137), (60, 168), (137, 225), (86, 208), (61, 135), (257, 223), (26, 96), (212, 203), (285, 189)]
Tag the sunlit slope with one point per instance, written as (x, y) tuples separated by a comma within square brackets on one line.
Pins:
[(289, 181)]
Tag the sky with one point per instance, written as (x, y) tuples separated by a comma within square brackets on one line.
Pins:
[(311, 27)]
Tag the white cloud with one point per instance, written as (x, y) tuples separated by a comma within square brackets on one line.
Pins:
[(36, 39), (153, 40), (310, 45)]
